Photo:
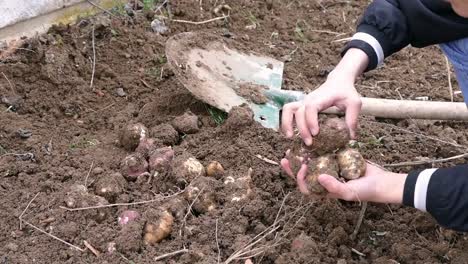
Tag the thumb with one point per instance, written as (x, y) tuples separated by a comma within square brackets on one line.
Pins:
[(335, 188)]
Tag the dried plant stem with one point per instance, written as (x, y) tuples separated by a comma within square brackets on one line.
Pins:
[(195, 22), (121, 204), (9, 83), (91, 248), (267, 160), (87, 175), (52, 236), (217, 242), (359, 222), (449, 78), (25, 209), (101, 8), (171, 254), (94, 59), (422, 162)]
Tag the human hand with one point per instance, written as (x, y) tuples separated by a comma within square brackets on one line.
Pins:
[(338, 90), (377, 185)]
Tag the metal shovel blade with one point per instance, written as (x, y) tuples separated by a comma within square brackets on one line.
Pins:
[(214, 72)]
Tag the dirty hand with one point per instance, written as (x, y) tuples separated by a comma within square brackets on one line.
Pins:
[(338, 90), (377, 185)]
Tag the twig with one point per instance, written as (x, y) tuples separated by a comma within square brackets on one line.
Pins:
[(449, 77), (171, 254), (11, 86), (160, 6), (327, 32), (267, 160), (101, 8), (281, 207), (91, 248), (94, 59), (52, 236), (422, 162), (195, 22), (357, 252), (359, 222), (217, 242), (87, 175), (189, 210), (121, 204), (22, 213), (418, 134)]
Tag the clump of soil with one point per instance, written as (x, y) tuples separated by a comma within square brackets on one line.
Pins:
[(75, 132), (252, 92)]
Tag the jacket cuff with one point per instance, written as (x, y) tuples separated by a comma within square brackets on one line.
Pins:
[(415, 190), (373, 42)]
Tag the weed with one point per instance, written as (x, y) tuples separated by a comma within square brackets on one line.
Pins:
[(253, 20), (149, 4), (84, 143), (217, 115)]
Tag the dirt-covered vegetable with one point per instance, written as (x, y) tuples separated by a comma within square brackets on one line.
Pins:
[(186, 168), (214, 169), (158, 228), (187, 123), (352, 164), (333, 135), (133, 166), (238, 188), (130, 136), (128, 216), (160, 160), (201, 193), (322, 165)]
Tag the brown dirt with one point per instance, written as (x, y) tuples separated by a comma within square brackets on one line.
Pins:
[(75, 128), (253, 93)]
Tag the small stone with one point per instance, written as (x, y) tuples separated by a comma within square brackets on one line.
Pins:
[(159, 26), (341, 261), (98, 170), (120, 92), (128, 56), (12, 247), (24, 133)]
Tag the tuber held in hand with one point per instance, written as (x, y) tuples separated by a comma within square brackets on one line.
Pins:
[(328, 154)]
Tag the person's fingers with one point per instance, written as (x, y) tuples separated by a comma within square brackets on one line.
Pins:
[(311, 117), (335, 188), (301, 182), (287, 168), (287, 118), (302, 126), (353, 108)]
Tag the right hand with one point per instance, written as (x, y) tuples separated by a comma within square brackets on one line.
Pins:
[(338, 90)]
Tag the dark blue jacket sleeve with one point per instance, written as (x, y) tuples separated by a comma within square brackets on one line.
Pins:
[(441, 192), (387, 26)]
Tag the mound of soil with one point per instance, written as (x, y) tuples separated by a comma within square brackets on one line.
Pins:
[(72, 131)]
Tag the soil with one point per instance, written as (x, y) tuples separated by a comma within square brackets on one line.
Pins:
[(252, 93), (73, 140)]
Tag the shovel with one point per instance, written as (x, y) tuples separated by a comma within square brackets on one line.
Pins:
[(221, 73)]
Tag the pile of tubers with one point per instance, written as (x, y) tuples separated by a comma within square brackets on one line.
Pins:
[(328, 154)]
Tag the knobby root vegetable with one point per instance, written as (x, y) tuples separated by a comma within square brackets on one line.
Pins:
[(352, 164), (133, 166), (187, 168), (156, 231), (321, 165), (128, 216), (129, 238), (214, 169), (160, 160), (327, 155), (238, 189), (200, 193), (145, 146), (130, 135), (110, 186), (333, 136)]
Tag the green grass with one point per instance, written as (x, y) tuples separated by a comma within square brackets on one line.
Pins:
[(149, 4), (217, 115), (83, 143)]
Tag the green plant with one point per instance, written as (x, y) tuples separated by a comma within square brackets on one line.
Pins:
[(84, 143), (217, 115), (149, 4)]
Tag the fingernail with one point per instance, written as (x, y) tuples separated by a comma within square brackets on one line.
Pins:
[(289, 134), (308, 141)]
